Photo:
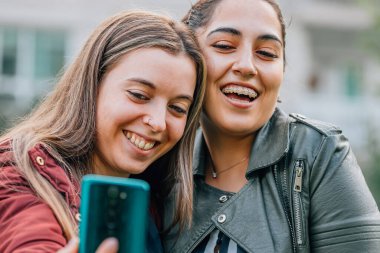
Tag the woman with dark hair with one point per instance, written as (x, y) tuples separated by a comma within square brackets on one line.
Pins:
[(266, 181), (128, 104)]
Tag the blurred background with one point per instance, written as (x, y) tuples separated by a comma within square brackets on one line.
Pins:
[(332, 72)]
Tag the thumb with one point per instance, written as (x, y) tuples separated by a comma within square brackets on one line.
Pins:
[(71, 247), (109, 245)]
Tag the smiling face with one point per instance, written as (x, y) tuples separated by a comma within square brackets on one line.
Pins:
[(142, 108), (243, 47)]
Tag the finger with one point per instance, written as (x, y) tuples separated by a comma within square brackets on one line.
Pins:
[(71, 247), (109, 245)]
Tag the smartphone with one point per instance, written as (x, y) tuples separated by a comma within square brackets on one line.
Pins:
[(113, 207)]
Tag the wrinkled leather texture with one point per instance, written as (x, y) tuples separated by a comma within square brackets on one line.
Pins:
[(337, 210)]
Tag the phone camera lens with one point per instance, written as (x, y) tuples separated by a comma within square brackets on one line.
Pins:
[(111, 212), (113, 192), (111, 226), (123, 195)]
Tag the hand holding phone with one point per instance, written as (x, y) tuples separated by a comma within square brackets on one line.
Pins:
[(110, 245), (113, 207)]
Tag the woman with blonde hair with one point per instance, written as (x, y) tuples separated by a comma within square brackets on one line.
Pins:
[(127, 106)]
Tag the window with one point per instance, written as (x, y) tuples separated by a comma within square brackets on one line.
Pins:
[(29, 61), (49, 54), (9, 52), (353, 74)]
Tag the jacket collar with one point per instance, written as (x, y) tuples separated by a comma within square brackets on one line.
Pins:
[(50, 169), (270, 145)]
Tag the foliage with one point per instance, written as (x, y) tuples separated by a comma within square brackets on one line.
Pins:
[(372, 175), (371, 37), (372, 170), (372, 43)]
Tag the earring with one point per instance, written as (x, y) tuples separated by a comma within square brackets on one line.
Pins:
[(147, 121)]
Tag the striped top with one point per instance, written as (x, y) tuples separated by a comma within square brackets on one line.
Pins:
[(217, 242)]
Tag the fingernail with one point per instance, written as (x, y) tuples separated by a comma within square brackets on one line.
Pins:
[(112, 242)]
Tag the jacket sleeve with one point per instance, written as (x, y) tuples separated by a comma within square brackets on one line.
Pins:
[(26, 223), (343, 216)]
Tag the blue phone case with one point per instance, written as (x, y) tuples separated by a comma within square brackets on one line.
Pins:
[(113, 207)]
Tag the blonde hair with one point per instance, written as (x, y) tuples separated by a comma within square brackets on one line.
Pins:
[(64, 123)]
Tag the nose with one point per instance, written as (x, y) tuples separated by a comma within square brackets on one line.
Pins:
[(156, 120), (244, 64)]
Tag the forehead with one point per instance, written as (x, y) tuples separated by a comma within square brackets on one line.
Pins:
[(249, 15), (166, 71)]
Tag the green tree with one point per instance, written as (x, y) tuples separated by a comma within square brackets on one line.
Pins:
[(372, 170), (371, 37), (371, 42)]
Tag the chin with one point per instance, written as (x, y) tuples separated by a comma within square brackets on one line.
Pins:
[(132, 169), (136, 171)]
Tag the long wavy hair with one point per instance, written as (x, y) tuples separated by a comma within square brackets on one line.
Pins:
[(64, 122)]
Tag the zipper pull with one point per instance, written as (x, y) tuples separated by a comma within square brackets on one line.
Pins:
[(298, 179)]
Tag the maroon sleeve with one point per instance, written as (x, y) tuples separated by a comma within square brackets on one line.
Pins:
[(27, 224)]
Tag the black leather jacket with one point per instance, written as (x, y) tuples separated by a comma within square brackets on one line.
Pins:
[(305, 193)]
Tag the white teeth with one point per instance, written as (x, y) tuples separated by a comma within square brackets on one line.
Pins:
[(148, 146), (240, 101), (139, 142), (240, 91)]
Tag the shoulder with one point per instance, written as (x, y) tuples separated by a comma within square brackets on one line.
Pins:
[(10, 175), (323, 128), (21, 208), (314, 138)]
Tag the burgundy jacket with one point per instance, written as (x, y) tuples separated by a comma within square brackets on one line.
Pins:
[(27, 224)]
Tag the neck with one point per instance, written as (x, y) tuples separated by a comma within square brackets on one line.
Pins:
[(220, 146), (227, 151)]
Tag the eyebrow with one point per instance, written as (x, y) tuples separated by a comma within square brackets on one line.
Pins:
[(229, 30), (190, 98), (270, 37), (152, 86), (236, 32), (143, 81)]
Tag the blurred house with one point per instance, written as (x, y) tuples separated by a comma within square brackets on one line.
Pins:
[(330, 74)]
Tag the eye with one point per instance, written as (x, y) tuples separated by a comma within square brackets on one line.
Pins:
[(138, 95), (266, 54), (223, 46), (178, 109)]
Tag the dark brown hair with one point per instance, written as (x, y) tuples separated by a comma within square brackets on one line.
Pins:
[(202, 11)]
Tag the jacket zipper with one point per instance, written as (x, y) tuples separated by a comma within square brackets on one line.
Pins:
[(282, 181), (297, 189)]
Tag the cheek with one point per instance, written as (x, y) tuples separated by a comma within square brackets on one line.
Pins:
[(214, 66), (100, 120), (105, 119), (176, 130), (273, 76)]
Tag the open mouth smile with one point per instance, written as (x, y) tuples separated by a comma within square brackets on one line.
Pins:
[(140, 142), (239, 93)]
